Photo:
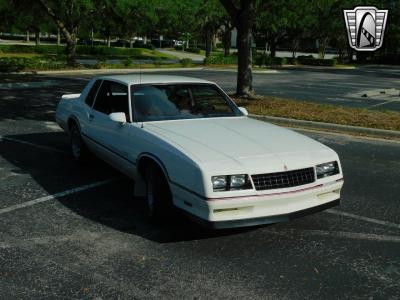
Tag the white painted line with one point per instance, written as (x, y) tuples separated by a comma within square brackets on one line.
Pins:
[(5, 138), (354, 235), (57, 195), (361, 218), (383, 103)]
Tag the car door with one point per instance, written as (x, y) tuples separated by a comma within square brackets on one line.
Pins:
[(90, 95), (111, 139)]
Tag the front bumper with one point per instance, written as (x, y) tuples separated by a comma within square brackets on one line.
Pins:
[(263, 220), (260, 209)]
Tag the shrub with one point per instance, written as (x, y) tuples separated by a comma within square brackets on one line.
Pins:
[(40, 49), (185, 62), (157, 61), (180, 48), (291, 60), (318, 62), (266, 60), (80, 50), (127, 62), (101, 63), (193, 50), (220, 59), (16, 64)]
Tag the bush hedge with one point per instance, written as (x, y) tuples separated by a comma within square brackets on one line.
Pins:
[(318, 62), (185, 62), (80, 50), (16, 64), (193, 50), (266, 60), (220, 59)]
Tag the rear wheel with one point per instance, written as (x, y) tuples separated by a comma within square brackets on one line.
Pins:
[(158, 195), (78, 147)]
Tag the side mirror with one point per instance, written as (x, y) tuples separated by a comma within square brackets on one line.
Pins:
[(118, 117), (244, 111)]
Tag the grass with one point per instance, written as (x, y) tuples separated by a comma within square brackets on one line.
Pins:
[(96, 51), (310, 111)]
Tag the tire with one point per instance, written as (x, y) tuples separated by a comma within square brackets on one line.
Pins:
[(78, 148), (159, 205)]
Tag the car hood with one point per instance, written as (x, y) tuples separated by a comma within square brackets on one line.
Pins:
[(243, 141)]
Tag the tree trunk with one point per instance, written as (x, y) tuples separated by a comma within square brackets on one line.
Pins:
[(245, 78), (227, 40), (209, 36), (68, 32), (91, 37), (37, 38), (71, 51), (322, 47), (273, 47), (243, 18), (58, 37), (108, 41)]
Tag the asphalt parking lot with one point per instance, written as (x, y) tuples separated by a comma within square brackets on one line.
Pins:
[(371, 87), (74, 231)]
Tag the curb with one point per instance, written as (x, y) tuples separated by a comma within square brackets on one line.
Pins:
[(306, 67), (107, 71), (234, 70), (321, 126)]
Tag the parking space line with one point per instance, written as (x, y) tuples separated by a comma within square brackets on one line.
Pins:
[(362, 218), (355, 235), (5, 138), (383, 103), (57, 195)]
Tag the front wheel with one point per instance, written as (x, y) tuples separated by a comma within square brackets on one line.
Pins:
[(78, 147), (158, 195)]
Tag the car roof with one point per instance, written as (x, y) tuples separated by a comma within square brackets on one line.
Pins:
[(147, 79)]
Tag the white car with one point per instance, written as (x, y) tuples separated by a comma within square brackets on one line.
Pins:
[(189, 146)]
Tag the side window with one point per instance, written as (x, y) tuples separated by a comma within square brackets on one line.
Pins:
[(92, 93), (112, 97)]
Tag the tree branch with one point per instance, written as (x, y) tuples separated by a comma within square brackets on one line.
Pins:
[(56, 19), (230, 8)]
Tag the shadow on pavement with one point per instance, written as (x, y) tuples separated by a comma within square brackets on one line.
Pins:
[(111, 205)]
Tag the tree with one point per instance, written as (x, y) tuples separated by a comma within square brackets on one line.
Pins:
[(67, 15), (135, 17), (243, 16)]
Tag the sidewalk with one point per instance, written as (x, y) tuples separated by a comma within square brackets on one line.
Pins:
[(181, 54)]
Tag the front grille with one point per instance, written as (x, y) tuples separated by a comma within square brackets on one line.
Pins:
[(283, 179)]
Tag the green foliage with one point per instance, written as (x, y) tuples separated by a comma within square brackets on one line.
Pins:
[(193, 50), (185, 62), (101, 63), (127, 62), (83, 50), (318, 62), (40, 49), (220, 59), (16, 64), (266, 60)]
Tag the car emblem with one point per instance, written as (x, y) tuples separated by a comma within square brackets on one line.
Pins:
[(365, 27)]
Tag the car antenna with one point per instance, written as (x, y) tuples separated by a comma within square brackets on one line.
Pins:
[(140, 72)]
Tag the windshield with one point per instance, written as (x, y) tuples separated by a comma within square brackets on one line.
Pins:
[(180, 101)]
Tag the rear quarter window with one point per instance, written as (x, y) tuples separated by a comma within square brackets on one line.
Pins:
[(92, 93)]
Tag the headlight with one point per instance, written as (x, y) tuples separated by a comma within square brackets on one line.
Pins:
[(327, 169), (230, 182), (219, 183)]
